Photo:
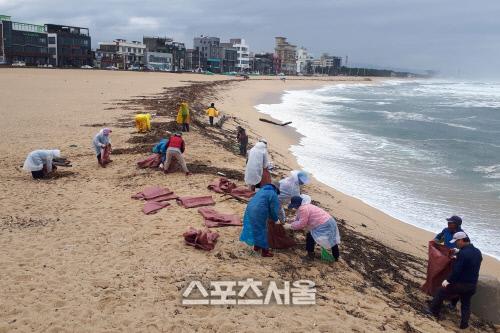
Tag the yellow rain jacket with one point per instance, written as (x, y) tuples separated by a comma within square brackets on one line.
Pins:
[(183, 116), (212, 112)]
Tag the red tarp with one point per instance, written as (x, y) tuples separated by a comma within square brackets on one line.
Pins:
[(192, 202), (438, 267), (155, 198), (201, 239), (224, 185), (277, 236), (152, 161), (152, 192), (214, 218), (152, 207)]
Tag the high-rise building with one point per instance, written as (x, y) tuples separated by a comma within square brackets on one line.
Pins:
[(286, 55), (304, 61)]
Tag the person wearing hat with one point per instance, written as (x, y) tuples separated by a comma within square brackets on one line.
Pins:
[(290, 187), (258, 165), (102, 146), (175, 149), (321, 227), (463, 279), (263, 206), (445, 236)]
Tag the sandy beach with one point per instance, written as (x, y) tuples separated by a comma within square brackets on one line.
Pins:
[(78, 254)]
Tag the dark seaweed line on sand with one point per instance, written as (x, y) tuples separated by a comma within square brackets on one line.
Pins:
[(381, 266)]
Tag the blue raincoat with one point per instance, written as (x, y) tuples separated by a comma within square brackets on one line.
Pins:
[(161, 148), (263, 206)]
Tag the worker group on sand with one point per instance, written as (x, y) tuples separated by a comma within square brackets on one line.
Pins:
[(40, 162), (271, 199), (462, 282), (102, 147)]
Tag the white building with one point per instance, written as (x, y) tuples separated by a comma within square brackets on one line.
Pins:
[(303, 58), (128, 53), (159, 61), (243, 59)]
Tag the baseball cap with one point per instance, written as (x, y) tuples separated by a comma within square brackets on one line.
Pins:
[(295, 202), (455, 219), (458, 235)]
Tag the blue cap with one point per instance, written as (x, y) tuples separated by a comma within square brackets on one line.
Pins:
[(455, 219), (295, 202)]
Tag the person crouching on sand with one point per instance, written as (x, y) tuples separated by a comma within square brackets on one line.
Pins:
[(290, 187), (39, 162), (175, 149), (183, 117), (211, 113), (263, 206), (321, 227), (102, 147)]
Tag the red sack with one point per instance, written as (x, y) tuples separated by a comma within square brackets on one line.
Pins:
[(438, 267), (200, 239), (266, 177), (277, 236)]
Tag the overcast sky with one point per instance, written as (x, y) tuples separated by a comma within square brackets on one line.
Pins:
[(447, 35)]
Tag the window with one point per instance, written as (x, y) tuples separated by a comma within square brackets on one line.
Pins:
[(52, 40)]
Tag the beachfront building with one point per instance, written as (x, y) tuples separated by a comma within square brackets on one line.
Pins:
[(69, 46), (209, 53), (262, 63), (159, 61), (304, 61), (243, 60), (167, 45), (23, 42), (286, 57), (120, 54), (229, 56), (327, 65)]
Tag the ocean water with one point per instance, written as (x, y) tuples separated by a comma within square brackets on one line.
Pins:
[(419, 150)]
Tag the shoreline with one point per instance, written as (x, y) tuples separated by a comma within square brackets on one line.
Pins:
[(398, 234)]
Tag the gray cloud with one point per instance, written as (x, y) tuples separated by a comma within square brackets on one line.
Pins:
[(449, 35)]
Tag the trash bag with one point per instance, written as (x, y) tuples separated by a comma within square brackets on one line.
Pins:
[(327, 255), (277, 236), (438, 267)]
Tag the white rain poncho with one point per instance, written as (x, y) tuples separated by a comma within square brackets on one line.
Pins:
[(38, 158), (257, 161), (290, 187), (100, 140)]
